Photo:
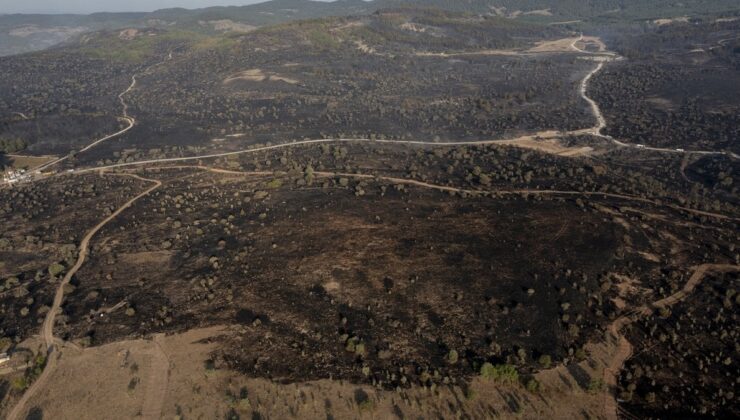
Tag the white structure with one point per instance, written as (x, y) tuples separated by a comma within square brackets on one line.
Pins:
[(4, 358), (11, 176)]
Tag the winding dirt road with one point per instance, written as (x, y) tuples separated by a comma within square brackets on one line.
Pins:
[(624, 348), (605, 57), (595, 131), (447, 188), (156, 389), (600, 120), (156, 384), (47, 329), (128, 119), (602, 57)]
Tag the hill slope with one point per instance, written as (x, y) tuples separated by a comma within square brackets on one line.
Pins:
[(23, 33)]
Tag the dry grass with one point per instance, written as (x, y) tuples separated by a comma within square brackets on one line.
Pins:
[(27, 162), (95, 383), (547, 142), (662, 22), (257, 75), (558, 45), (540, 12)]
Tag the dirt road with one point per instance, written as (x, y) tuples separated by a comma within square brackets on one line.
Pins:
[(48, 326), (129, 120), (447, 188), (600, 120), (156, 385), (47, 329), (563, 45), (685, 163), (624, 348), (603, 57), (529, 192)]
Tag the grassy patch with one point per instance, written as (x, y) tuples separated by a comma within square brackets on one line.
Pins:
[(138, 49), (217, 42), (499, 373)]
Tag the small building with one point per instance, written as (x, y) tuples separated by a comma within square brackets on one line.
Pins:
[(11, 176)]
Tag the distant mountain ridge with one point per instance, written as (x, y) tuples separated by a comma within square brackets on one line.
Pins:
[(23, 33)]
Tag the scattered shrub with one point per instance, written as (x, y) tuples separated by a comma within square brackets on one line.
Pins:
[(500, 373), (533, 385), (596, 385), (452, 357), (545, 361), (56, 269)]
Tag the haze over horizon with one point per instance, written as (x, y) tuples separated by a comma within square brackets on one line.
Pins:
[(94, 6)]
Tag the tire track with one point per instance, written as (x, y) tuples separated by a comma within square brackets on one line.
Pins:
[(156, 385), (47, 329), (624, 348)]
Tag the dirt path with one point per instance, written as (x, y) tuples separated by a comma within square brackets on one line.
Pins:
[(446, 188), (685, 162), (602, 58), (129, 120), (624, 348), (721, 43), (529, 192), (600, 120), (563, 45), (22, 115), (156, 385), (47, 329)]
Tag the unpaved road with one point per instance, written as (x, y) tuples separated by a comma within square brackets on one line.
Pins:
[(595, 131), (600, 120), (156, 384), (563, 45), (528, 192), (47, 329), (602, 57), (447, 188), (128, 119), (624, 348)]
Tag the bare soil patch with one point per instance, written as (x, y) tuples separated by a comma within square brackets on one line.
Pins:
[(258, 75), (118, 381)]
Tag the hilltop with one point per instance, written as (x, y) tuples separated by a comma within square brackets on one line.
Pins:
[(23, 33)]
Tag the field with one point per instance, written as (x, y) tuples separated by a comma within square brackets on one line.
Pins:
[(413, 213), (385, 290)]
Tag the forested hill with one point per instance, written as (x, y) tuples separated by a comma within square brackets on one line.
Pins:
[(22, 33), (578, 9), (276, 11)]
